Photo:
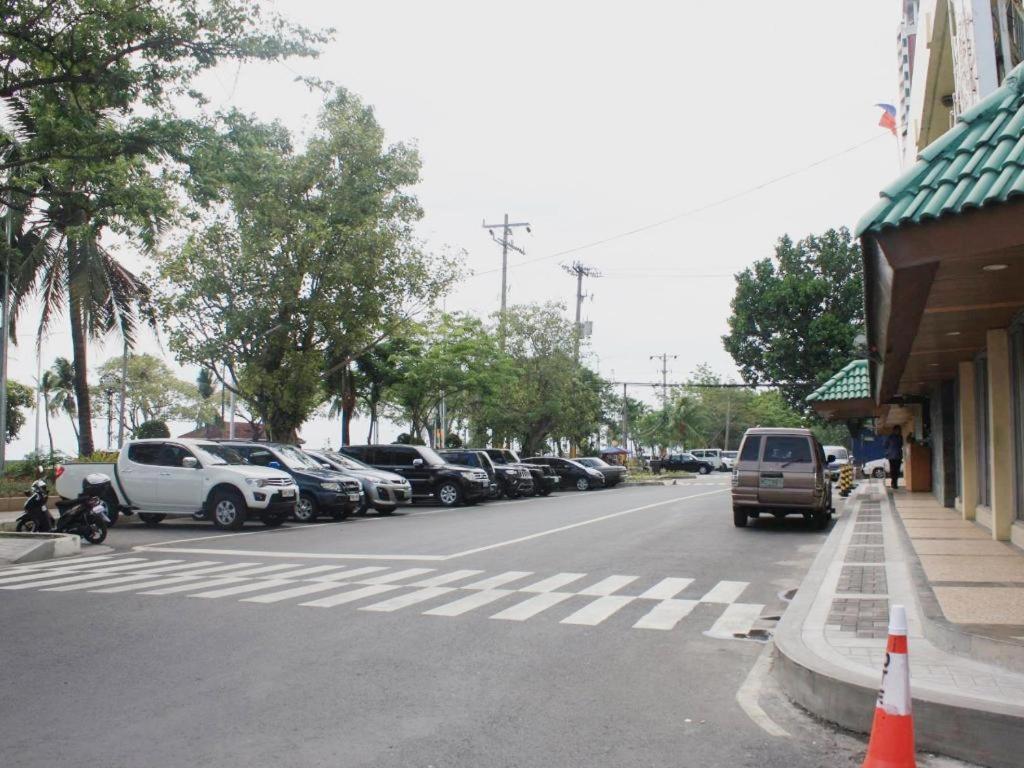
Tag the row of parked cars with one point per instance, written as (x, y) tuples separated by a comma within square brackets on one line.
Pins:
[(230, 481)]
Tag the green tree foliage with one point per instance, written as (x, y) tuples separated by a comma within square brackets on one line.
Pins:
[(58, 390), (307, 252), (795, 315), (152, 392), (19, 397), (155, 428)]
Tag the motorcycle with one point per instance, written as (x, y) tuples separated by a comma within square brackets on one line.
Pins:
[(86, 516)]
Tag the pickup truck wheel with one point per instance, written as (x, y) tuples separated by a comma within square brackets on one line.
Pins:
[(582, 484), (449, 494), (704, 469), (150, 519), (306, 509), (229, 510), (739, 517)]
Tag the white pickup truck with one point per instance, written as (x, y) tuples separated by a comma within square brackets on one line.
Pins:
[(189, 478)]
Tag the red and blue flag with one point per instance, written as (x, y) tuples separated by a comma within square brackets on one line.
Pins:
[(888, 118)]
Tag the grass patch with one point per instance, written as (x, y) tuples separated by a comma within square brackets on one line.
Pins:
[(644, 476)]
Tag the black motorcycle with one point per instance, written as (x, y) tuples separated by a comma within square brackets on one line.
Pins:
[(85, 516)]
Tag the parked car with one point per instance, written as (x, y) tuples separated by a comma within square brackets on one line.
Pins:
[(571, 474), (545, 479), (712, 456), (613, 473), (842, 457), (781, 472), (877, 468), (510, 481), (189, 478), (686, 462), (729, 459), (321, 491), (431, 477), (383, 491)]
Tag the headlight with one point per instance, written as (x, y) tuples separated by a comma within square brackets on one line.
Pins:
[(256, 482), (330, 486), (511, 472), (468, 475)]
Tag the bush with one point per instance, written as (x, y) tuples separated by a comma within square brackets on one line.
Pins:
[(97, 457), (155, 428), (452, 440), (29, 466)]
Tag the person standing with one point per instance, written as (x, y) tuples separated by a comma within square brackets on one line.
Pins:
[(894, 453)]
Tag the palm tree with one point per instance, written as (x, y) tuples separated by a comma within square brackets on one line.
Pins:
[(58, 388)]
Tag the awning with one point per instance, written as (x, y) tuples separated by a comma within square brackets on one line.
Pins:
[(847, 395)]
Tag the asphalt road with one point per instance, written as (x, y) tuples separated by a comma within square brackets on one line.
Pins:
[(607, 628)]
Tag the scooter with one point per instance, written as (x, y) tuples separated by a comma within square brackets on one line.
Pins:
[(85, 516)]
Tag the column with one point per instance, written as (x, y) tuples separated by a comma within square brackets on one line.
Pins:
[(1001, 432), (968, 442)]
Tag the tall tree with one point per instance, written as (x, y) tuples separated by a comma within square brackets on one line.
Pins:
[(795, 315), (59, 384), (19, 397), (152, 391)]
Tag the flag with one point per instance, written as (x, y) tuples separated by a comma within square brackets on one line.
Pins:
[(888, 118)]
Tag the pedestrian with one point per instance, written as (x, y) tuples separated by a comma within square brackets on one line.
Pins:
[(894, 453)]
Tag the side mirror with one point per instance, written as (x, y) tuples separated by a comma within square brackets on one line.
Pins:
[(417, 462), (274, 465), (189, 462), (829, 459)]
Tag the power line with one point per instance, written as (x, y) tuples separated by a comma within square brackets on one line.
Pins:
[(694, 211)]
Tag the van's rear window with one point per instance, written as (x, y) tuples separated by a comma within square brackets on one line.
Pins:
[(751, 447), (792, 450)]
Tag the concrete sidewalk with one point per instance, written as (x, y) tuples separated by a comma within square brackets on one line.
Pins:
[(831, 641)]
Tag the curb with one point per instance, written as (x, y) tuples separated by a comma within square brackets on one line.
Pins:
[(968, 729), (44, 546)]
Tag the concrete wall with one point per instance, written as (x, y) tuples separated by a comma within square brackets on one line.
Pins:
[(943, 442)]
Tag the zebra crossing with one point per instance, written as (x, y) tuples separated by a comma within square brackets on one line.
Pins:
[(515, 596)]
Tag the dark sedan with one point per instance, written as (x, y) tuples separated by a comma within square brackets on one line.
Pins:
[(613, 473), (571, 474)]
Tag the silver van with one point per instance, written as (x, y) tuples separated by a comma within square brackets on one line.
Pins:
[(781, 472)]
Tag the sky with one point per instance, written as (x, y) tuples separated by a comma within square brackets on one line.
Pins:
[(724, 125)]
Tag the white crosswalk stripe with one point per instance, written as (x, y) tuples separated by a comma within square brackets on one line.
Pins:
[(666, 614), (530, 607), (645, 603)]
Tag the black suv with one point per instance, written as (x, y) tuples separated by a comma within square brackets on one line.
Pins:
[(571, 474), (430, 476), (513, 480), (545, 480), (477, 459), (321, 491)]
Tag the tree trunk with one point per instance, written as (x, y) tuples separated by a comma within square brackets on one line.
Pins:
[(348, 405), (46, 416), (81, 371)]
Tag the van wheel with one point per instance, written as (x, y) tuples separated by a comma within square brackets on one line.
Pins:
[(821, 520), (150, 519), (739, 517), (229, 510), (704, 469)]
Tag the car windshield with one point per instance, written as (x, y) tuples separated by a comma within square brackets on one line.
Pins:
[(296, 459), (216, 455), (593, 462), (345, 461), (730, 454), (430, 456)]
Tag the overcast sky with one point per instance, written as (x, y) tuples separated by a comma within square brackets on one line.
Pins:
[(589, 120)]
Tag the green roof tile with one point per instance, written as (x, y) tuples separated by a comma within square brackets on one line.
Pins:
[(853, 382), (978, 162)]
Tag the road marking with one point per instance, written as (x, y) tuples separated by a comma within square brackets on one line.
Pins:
[(209, 583), (388, 578), (445, 578), (666, 589), (736, 619), (580, 524), (352, 574), (352, 595), (303, 527), (71, 562), (552, 583), (498, 581), (37, 576), (47, 581), (101, 582), (291, 555), (320, 569), (181, 567), (412, 598), (666, 614), (300, 591), (263, 570), (529, 608), (748, 694), (598, 610), (468, 603), (135, 585), (725, 592), (608, 586), (243, 588)]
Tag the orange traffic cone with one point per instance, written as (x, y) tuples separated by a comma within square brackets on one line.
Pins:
[(892, 733)]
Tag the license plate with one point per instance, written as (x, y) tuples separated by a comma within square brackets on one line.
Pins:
[(771, 482), (353, 497), (287, 493)]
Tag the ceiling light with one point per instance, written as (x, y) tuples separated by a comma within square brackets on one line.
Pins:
[(933, 365), (952, 333), (994, 267)]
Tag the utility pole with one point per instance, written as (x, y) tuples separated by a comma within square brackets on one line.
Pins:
[(39, 389), (625, 420), (5, 310), (728, 416), (580, 270), (124, 395), (664, 356), (506, 245)]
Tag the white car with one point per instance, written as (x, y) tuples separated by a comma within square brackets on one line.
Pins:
[(180, 477), (729, 459), (877, 468), (712, 456), (841, 457)]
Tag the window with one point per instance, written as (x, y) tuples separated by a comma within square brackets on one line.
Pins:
[(982, 429), (751, 448), (260, 456), (398, 457), (171, 455), (787, 450), (144, 453)]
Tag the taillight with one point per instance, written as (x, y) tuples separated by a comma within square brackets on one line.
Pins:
[(58, 471), (735, 477)]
